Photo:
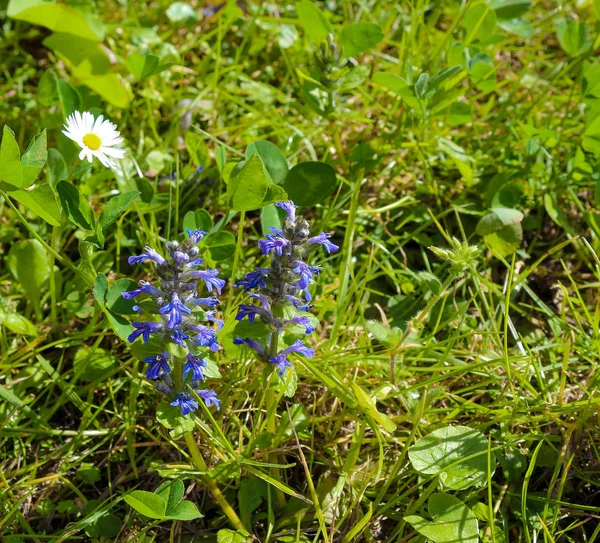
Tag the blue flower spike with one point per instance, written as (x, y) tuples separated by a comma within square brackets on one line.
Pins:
[(283, 288), (176, 326)]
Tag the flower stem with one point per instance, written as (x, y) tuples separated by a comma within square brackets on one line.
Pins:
[(272, 425), (236, 259), (212, 486)]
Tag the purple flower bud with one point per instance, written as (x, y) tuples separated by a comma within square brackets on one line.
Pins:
[(144, 329), (145, 288), (175, 310), (273, 243), (210, 279), (194, 365), (150, 254), (178, 336), (209, 396), (281, 361), (253, 344), (290, 208), (323, 239), (303, 320), (186, 402), (305, 272), (205, 337), (196, 235), (254, 279), (211, 301), (210, 316), (157, 365)]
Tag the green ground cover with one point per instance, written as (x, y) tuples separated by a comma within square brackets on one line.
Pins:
[(451, 148)]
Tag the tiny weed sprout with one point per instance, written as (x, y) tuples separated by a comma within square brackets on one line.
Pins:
[(183, 326), (279, 294)]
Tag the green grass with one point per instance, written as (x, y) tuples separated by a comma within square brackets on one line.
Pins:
[(509, 347)]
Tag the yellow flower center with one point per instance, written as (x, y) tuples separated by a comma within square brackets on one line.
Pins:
[(91, 141)]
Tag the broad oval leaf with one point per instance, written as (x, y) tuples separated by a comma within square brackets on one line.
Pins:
[(75, 206), (452, 521), (247, 185), (359, 37), (116, 206), (315, 24), (309, 183), (148, 504), (274, 161), (59, 17), (444, 453), (41, 201)]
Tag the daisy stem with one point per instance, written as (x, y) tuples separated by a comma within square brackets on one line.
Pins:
[(272, 425), (49, 249), (212, 486)]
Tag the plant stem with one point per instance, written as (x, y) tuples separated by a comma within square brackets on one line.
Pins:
[(272, 425), (50, 250), (212, 486), (236, 258)]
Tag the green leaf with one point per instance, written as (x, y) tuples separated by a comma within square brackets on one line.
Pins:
[(172, 493), (59, 17), (274, 194), (248, 185), (421, 85), (269, 216), (69, 98), (250, 496), (510, 9), (198, 220), (34, 158), (506, 240), (75, 206), (229, 536), (390, 81), (574, 37), (142, 65), (309, 183), (18, 324), (497, 218), (148, 504), (432, 282), (365, 401), (47, 91), (114, 298), (359, 37), (479, 21), (315, 24), (221, 245), (444, 453), (100, 288), (184, 511), (29, 263), (170, 417), (41, 201), (274, 161), (115, 207), (93, 364), (90, 65), (11, 171), (180, 12), (452, 521)]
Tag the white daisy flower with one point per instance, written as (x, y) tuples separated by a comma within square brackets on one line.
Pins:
[(96, 137)]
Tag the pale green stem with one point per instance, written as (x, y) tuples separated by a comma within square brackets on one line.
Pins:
[(212, 486), (271, 401)]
